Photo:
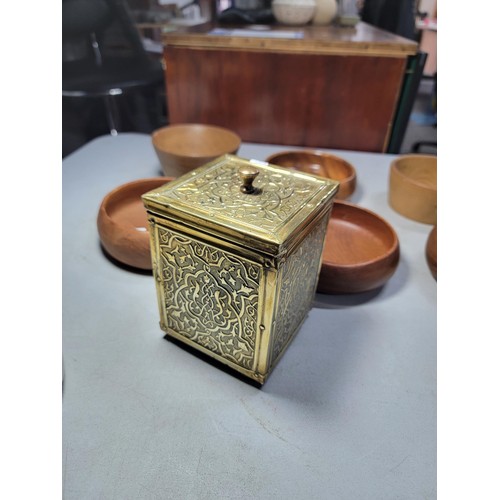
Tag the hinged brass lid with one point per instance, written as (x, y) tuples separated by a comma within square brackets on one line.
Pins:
[(246, 201)]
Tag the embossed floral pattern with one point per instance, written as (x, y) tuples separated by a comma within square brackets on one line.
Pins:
[(298, 284), (211, 296), (218, 192)]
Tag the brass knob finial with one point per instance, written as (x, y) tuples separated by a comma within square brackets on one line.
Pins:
[(247, 176)]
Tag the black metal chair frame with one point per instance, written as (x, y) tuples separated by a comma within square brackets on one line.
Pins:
[(127, 74)]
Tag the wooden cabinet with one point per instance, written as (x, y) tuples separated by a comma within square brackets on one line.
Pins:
[(333, 88)]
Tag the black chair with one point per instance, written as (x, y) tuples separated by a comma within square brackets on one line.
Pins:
[(104, 58), (409, 90), (430, 146)]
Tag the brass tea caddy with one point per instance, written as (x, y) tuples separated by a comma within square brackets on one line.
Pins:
[(236, 250)]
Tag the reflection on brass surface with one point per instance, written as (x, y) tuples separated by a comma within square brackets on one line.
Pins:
[(236, 273)]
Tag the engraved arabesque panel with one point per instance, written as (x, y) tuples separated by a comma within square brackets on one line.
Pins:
[(299, 280), (218, 192), (211, 296)]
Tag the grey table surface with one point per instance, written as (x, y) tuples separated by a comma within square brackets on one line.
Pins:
[(348, 413)]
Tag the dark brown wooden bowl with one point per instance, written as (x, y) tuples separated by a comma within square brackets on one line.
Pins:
[(431, 252), (322, 164), (361, 251), (184, 147), (122, 222)]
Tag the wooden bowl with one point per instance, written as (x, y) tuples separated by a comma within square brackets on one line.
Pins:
[(413, 187), (181, 148), (322, 164), (431, 252), (122, 222), (361, 251)]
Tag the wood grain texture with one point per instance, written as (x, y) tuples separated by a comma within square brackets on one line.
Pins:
[(182, 148), (322, 164), (122, 222), (413, 187), (331, 101), (361, 251)]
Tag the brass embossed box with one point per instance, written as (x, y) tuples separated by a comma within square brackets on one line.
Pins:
[(236, 248)]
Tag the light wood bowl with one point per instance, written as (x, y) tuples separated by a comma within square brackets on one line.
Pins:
[(322, 164), (431, 252), (361, 251), (184, 147), (122, 222), (413, 187)]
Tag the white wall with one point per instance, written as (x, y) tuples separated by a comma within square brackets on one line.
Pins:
[(427, 6)]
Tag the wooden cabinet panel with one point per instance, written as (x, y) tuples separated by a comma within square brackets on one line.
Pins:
[(329, 87), (344, 102)]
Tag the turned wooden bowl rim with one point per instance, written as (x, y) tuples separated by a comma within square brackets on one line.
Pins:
[(394, 248), (317, 152), (103, 210), (157, 135), (396, 168)]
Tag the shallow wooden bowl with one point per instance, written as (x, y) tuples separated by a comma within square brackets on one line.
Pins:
[(322, 164), (413, 187), (122, 222), (431, 252), (184, 147), (361, 251)]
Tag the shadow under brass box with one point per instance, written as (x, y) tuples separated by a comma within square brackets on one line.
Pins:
[(236, 248)]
